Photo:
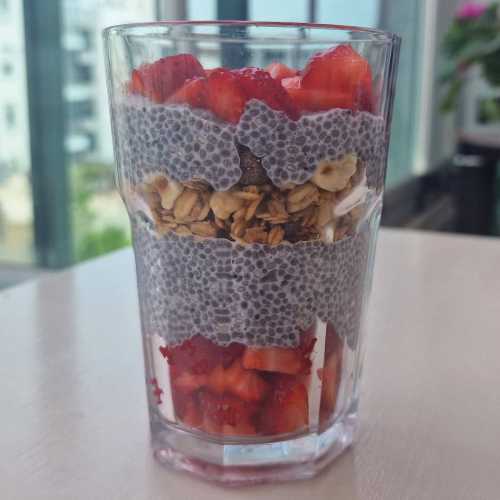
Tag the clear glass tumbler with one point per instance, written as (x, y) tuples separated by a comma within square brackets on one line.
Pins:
[(251, 158)]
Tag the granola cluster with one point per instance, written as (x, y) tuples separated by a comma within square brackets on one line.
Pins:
[(259, 212)]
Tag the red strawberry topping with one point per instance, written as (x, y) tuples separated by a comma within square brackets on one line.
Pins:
[(279, 71), (343, 72), (258, 84), (225, 96), (159, 80), (315, 99), (194, 92)]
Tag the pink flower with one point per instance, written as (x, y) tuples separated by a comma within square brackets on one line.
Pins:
[(471, 10)]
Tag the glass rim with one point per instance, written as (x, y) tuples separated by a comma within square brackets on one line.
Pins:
[(373, 34)]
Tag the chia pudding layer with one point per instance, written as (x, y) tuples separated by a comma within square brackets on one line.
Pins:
[(258, 295), (185, 143)]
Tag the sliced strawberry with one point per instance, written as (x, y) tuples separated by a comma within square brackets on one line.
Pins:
[(219, 411), (190, 382), (279, 71), (194, 92), (307, 342), (275, 359), (333, 342), (180, 401), (136, 85), (316, 100), (197, 355), (245, 384), (259, 84), (225, 97), (159, 80), (343, 71), (240, 429), (217, 380), (233, 351), (287, 408), (330, 378), (191, 415), (291, 83)]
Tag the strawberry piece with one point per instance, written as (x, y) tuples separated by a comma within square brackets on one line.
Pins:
[(197, 355), (240, 429), (136, 85), (275, 359), (226, 410), (287, 409), (194, 92), (191, 416), (307, 342), (189, 382), (245, 384), (225, 97), (217, 380), (333, 342), (233, 351), (279, 71), (342, 71), (259, 84), (330, 378), (180, 400), (159, 80), (314, 99)]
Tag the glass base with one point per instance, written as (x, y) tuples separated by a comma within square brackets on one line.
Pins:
[(300, 457)]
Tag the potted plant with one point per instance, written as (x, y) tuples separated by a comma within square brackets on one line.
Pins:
[(472, 53)]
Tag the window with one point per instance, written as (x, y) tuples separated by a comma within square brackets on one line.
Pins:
[(4, 7), (365, 13), (260, 10), (404, 18), (7, 68), (70, 31), (10, 117), (16, 210), (96, 210)]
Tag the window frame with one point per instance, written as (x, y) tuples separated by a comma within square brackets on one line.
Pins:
[(49, 177)]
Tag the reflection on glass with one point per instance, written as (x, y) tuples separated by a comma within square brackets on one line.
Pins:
[(99, 221), (16, 211)]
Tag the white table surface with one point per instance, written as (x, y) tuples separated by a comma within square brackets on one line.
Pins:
[(73, 408)]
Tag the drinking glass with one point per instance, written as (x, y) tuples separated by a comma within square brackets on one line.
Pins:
[(251, 159)]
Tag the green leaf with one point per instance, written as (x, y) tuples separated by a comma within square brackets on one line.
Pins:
[(450, 99)]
